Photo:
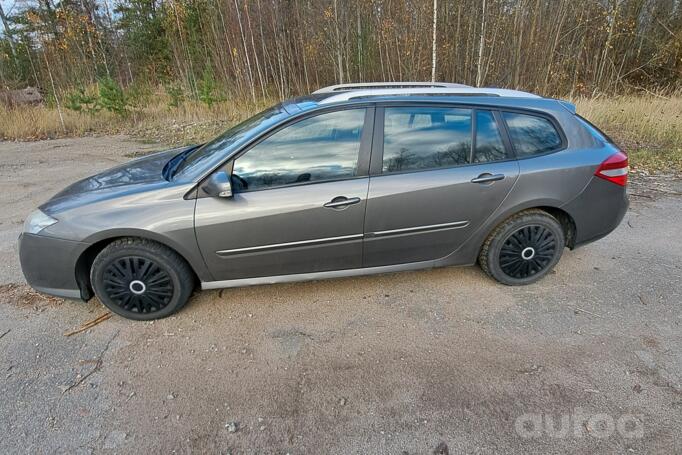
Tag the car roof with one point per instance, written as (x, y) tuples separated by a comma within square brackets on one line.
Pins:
[(317, 101), (422, 92), (348, 95), (385, 85)]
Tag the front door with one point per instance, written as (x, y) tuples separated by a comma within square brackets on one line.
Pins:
[(299, 201), (437, 174)]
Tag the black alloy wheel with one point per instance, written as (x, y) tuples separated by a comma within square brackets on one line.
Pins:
[(138, 284), (141, 279), (523, 248), (527, 251)]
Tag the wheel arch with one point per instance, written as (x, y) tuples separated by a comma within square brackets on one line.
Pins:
[(567, 223), (516, 271), (100, 241), (553, 208), (468, 253)]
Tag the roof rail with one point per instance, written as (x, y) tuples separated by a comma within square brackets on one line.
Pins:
[(437, 91), (379, 85)]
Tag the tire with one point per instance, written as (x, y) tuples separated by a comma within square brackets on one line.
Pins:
[(141, 279), (523, 249)]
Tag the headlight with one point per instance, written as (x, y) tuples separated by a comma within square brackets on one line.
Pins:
[(37, 221)]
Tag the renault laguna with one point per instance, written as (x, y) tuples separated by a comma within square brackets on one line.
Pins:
[(351, 180)]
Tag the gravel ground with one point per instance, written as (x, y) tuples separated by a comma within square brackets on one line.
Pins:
[(589, 360)]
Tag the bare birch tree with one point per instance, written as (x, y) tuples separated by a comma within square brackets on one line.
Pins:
[(434, 41)]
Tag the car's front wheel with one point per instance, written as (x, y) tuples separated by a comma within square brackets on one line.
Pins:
[(141, 279), (523, 249)]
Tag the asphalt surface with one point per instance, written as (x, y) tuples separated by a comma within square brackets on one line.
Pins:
[(588, 360)]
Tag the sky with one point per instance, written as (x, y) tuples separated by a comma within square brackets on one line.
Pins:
[(9, 7), (9, 4)]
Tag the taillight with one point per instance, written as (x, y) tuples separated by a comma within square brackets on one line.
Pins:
[(614, 169)]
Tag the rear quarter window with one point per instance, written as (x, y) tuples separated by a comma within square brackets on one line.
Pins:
[(531, 134), (596, 132)]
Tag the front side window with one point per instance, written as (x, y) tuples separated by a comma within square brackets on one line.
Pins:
[(417, 138), (324, 147), (531, 135), (208, 155)]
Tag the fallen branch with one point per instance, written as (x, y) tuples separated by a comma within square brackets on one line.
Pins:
[(640, 195), (671, 192), (8, 331), (585, 311), (98, 365), (89, 324)]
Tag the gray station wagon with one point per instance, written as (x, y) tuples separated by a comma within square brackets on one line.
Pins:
[(351, 180)]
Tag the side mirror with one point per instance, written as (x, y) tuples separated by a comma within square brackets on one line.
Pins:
[(218, 185)]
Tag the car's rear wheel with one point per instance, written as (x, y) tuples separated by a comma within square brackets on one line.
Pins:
[(141, 279), (523, 249)]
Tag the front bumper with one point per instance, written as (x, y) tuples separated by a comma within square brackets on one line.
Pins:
[(49, 264)]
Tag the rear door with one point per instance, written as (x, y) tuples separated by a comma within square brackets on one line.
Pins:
[(299, 201), (436, 173)]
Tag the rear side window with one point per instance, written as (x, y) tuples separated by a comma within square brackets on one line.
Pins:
[(531, 135), (418, 138), (489, 145)]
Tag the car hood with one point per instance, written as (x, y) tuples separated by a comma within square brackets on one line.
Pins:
[(142, 174)]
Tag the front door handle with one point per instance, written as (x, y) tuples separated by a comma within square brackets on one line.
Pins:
[(487, 178), (341, 202)]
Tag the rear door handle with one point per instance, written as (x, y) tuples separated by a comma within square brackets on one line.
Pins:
[(341, 202), (487, 178)]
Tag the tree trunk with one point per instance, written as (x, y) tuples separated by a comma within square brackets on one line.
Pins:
[(246, 52), (339, 61), (481, 45), (433, 41), (54, 92)]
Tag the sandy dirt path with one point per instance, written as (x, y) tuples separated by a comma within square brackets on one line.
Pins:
[(418, 363)]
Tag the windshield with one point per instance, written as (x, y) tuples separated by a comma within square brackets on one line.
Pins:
[(201, 160)]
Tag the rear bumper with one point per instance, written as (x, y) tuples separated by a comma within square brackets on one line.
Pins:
[(598, 210), (49, 264)]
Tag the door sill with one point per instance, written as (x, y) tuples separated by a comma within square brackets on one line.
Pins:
[(316, 275)]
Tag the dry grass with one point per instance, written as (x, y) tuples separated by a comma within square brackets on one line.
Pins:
[(648, 127), (191, 122), (39, 122)]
